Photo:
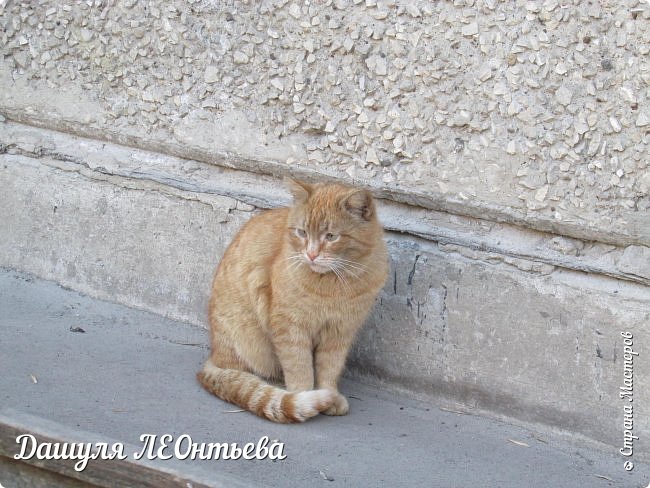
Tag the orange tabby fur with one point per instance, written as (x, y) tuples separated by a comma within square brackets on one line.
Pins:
[(279, 311)]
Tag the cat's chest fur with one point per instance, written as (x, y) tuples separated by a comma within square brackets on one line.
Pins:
[(337, 307), (327, 301)]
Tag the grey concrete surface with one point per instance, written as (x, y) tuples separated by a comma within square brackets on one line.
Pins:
[(131, 372)]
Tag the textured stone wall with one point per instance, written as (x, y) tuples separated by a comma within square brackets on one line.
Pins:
[(538, 108)]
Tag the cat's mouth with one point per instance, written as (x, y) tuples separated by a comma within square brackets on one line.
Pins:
[(317, 268)]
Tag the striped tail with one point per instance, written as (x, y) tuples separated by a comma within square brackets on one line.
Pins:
[(251, 393)]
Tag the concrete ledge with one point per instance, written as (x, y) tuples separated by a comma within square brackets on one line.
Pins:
[(632, 229), (136, 168)]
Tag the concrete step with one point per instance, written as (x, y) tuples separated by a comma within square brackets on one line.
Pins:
[(77, 369), (513, 322)]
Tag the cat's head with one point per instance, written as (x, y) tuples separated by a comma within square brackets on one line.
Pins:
[(331, 227)]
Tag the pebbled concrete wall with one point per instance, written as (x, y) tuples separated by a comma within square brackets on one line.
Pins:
[(529, 112)]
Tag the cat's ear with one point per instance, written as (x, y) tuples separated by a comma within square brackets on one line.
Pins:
[(360, 204), (299, 189)]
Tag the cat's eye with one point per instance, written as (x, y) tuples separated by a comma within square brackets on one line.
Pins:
[(331, 237), (301, 233)]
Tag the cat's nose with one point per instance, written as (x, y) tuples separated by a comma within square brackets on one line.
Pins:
[(312, 255)]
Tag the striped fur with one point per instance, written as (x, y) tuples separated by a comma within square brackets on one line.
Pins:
[(253, 394)]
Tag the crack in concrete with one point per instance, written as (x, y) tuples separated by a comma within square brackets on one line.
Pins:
[(139, 179), (137, 183)]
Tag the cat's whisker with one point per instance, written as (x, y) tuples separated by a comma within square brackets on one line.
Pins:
[(354, 265), (350, 261), (349, 271), (334, 268), (295, 260), (344, 267), (344, 279), (341, 278), (347, 262)]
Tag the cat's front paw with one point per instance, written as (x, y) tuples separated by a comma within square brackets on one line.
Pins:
[(339, 407)]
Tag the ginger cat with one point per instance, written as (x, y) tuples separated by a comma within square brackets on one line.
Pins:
[(291, 292)]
